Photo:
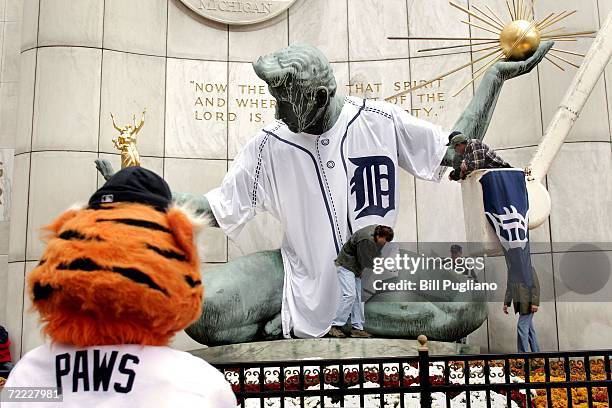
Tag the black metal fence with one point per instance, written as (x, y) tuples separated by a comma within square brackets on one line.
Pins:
[(576, 378)]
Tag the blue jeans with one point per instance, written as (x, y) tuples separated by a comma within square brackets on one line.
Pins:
[(526, 334), (350, 300)]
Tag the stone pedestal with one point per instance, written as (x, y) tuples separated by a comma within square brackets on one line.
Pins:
[(318, 349)]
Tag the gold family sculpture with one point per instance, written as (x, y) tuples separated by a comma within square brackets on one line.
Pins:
[(126, 141)]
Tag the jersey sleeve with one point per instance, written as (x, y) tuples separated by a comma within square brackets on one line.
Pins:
[(243, 192), (421, 145)]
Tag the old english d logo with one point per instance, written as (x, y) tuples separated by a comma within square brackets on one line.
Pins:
[(373, 184)]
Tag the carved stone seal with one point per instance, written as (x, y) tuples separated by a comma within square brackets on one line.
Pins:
[(238, 12)]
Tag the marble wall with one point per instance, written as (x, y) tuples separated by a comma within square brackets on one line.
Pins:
[(10, 34), (82, 60)]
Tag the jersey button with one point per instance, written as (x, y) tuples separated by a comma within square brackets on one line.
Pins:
[(324, 142), (331, 164)]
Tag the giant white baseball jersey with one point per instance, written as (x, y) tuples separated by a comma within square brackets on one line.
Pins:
[(121, 376), (323, 187)]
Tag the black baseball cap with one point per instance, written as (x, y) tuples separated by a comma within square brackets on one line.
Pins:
[(136, 185), (451, 136)]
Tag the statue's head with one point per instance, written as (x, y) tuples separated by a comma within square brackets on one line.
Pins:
[(301, 80)]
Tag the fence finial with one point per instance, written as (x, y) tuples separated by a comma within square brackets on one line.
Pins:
[(422, 339)]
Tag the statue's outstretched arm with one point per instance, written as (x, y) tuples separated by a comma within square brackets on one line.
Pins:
[(474, 121), (196, 202)]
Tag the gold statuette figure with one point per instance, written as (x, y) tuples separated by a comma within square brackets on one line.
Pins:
[(126, 141)]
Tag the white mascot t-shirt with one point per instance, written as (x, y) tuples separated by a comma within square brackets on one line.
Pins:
[(121, 376)]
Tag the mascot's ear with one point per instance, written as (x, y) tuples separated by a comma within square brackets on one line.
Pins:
[(54, 228), (183, 230)]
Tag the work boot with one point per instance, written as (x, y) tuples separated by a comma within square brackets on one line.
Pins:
[(360, 334), (335, 332)]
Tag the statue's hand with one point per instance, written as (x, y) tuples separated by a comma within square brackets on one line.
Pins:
[(512, 69), (105, 168), (196, 203), (183, 199)]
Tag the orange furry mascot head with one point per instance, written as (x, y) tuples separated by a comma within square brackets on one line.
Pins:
[(123, 270)]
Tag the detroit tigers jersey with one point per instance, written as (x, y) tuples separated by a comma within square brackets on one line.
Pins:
[(121, 376), (323, 187)]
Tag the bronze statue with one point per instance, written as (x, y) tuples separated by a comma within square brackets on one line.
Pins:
[(243, 296)]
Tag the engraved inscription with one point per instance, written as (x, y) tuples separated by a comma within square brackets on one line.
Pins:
[(238, 12), (252, 101)]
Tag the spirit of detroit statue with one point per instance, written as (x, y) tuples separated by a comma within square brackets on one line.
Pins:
[(327, 167)]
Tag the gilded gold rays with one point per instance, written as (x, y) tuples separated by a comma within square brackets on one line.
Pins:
[(513, 39)]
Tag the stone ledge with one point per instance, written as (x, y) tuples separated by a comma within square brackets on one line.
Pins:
[(325, 348)]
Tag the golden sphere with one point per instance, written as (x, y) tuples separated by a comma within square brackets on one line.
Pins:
[(522, 33)]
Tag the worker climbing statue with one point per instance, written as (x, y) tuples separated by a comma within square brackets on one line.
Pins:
[(327, 167)]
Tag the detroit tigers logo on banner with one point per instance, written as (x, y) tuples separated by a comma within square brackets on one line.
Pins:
[(511, 227), (506, 206), (373, 185)]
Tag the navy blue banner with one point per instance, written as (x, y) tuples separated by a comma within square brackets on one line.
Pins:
[(507, 209)]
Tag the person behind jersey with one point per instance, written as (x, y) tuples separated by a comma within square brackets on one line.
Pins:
[(459, 266), (355, 258), (117, 280), (526, 302)]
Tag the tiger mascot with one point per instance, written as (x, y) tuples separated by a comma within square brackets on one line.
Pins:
[(116, 281)]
